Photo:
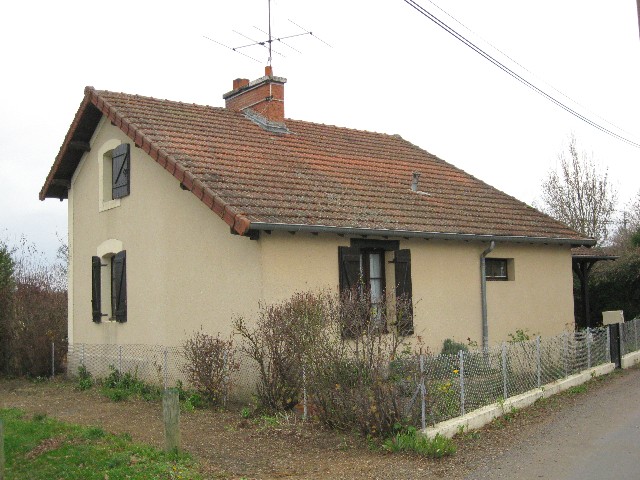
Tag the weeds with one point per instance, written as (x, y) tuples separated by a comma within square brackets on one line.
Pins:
[(85, 379), (409, 440)]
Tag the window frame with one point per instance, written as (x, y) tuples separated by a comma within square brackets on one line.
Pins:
[(504, 263)]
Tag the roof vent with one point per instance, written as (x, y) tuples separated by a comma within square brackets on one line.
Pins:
[(414, 182)]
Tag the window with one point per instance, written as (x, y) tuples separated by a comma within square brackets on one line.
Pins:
[(111, 303), (496, 269), (362, 269), (120, 171), (115, 174)]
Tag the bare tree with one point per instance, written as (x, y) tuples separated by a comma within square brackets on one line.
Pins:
[(578, 194), (627, 234)]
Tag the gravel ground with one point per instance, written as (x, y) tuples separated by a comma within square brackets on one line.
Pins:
[(230, 447)]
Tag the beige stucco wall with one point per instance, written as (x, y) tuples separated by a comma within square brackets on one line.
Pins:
[(185, 269)]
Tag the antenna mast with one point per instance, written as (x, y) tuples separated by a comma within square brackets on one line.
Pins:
[(269, 2)]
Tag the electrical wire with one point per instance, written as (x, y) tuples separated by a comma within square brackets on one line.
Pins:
[(515, 75)]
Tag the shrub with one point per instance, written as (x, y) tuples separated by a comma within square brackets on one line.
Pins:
[(33, 311), (210, 361), (279, 344), (120, 386), (85, 379), (451, 347)]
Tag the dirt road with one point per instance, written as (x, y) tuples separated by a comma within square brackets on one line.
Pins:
[(527, 445)]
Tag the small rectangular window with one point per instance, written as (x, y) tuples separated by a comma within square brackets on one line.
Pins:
[(497, 269)]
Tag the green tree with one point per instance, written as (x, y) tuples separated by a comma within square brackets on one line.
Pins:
[(6, 294)]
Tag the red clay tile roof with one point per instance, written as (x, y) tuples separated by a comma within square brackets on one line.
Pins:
[(315, 177)]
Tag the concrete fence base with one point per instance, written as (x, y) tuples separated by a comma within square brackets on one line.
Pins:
[(630, 359), (482, 416)]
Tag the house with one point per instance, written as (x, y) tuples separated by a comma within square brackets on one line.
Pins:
[(184, 215)]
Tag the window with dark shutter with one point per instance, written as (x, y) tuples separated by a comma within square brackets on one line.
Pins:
[(96, 298), (121, 171), (404, 302), (119, 286)]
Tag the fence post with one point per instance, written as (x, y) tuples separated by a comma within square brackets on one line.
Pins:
[(608, 345), (565, 351), (53, 359), (120, 358), (588, 348), (538, 361), (164, 369), (423, 394), (171, 416), (83, 355), (461, 372), (305, 407), (635, 331), (1, 450), (504, 370)]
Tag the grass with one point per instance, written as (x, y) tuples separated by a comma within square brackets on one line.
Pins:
[(44, 448), (409, 440)]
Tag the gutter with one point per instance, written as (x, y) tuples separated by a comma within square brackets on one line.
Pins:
[(287, 227), (483, 294)]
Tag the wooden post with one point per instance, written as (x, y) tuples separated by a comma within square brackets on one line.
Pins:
[(171, 415), (1, 450)]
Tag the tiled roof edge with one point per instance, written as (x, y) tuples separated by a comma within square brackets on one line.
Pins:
[(238, 222), (419, 234), (67, 140)]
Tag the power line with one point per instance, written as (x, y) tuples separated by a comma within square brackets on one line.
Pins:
[(526, 69), (515, 75)]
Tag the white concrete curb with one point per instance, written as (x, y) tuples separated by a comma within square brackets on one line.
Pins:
[(630, 359), (482, 416)]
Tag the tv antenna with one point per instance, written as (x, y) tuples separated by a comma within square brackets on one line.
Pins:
[(269, 41)]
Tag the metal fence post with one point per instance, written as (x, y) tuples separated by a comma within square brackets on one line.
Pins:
[(461, 372), (423, 394), (305, 407), (165, 380), (538, 361), (635, 332), (53, 359), (608, 345), (504, 370), (120, 358), (82, 355), (565, 352), (588, 348)]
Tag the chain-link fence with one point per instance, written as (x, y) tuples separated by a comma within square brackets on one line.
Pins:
[(629, 336), (431, 388)]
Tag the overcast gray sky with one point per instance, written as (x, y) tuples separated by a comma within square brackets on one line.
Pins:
[(388, 69)]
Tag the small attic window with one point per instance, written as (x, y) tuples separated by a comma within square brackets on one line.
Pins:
[(115, 176)]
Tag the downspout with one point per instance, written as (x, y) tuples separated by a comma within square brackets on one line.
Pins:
[(483, 294)]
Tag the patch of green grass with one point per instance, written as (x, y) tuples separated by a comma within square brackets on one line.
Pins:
[(577, 389), (409, 440), (45, 448)]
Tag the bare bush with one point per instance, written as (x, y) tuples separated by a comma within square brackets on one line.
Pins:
[(278, 344), (343, 352), (210, 363), (36, 315)]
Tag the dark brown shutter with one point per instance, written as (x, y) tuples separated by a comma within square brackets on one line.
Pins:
[(349, 259), (96, 300), (119, 286), (353, 323), (121, 170), (403, 292)]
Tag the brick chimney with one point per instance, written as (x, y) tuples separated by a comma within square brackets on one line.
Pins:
[(265, 96)]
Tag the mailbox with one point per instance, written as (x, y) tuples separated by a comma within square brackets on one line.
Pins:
[(612, 317)]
